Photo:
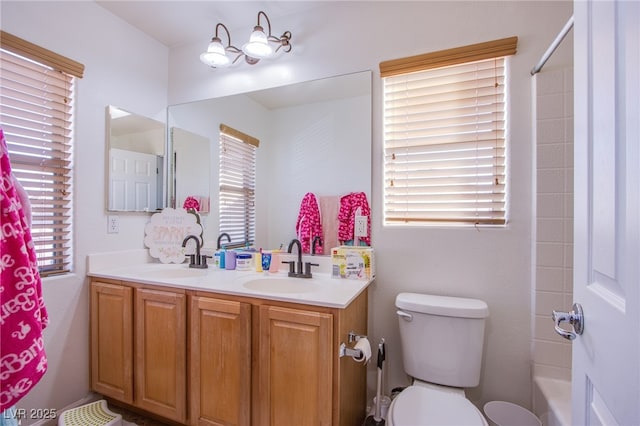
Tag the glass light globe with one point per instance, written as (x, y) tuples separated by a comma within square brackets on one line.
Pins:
[(258, 45), (215, 56)]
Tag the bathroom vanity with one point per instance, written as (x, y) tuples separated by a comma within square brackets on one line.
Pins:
[(207, 347)]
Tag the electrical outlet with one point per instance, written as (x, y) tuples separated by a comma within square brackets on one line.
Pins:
[(113, 224), (360, 226)]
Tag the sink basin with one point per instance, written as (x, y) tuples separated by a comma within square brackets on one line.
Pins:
[(282, 285), (181, 272)]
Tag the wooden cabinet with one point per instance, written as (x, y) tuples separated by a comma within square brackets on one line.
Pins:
[(220, 361), (112, 340), (298, 376), (295, 367), (160, 353), (202, 358)]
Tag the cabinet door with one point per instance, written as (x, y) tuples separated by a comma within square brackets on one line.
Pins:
[(220, 362), (295, 367), (112, 340), (160, 368)]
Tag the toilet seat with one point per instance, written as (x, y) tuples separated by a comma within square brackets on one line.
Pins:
[(418, 405)]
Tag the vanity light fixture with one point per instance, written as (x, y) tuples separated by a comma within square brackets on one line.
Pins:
[(261, 45)]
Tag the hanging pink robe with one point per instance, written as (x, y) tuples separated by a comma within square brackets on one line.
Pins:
[(349, 205), (23, 315), (309, 223)]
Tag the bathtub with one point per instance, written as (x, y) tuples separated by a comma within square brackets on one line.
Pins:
[(552, 401)]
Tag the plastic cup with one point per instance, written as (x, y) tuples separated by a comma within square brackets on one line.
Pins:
[(266, 260)]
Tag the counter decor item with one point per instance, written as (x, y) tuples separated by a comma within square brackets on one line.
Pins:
[(166, 231), (353, 262)]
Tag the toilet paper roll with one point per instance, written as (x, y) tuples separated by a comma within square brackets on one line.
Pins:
[(365, 348)]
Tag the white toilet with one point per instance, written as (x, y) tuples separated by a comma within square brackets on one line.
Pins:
[(442, 339)]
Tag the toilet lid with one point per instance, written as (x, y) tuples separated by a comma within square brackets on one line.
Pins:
[(421, 406)]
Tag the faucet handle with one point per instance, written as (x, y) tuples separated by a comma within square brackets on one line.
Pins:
[(198, 261), (292, 267), (203, 260), (307, 269)]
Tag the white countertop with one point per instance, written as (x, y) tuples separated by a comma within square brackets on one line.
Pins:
[(321, 290)]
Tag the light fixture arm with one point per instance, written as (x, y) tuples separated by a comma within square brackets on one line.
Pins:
[(268, 22), (220, 24), (229, 47), (283, 40)]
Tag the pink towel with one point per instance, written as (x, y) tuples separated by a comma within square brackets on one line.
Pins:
[(23, 314), (329, 207)]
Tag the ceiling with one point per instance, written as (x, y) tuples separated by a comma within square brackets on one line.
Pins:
[(176, 23)]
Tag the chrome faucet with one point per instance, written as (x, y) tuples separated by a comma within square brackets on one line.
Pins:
[(295, 267), (316, 239), (224, 234), (196, 260)]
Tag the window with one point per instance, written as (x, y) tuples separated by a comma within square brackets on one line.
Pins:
[(237, 186), (36, 111), (444, 136)]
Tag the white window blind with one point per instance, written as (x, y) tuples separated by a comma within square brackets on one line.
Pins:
[(445, 145), (36, 117), (237, 186)]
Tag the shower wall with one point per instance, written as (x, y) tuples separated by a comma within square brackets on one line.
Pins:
[(551, 354)]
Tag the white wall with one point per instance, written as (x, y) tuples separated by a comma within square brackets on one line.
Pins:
[(123, 67), (492, 264), (127, 69)]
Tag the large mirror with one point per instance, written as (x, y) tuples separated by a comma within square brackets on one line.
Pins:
[(136, 151), (314, 137)]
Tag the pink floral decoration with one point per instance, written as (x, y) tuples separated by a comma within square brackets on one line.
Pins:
[(191, 203)]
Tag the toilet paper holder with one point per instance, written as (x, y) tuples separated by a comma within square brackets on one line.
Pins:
[(353, 337), (347, 351)]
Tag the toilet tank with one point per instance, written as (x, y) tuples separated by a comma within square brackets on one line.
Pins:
[(442, 338)]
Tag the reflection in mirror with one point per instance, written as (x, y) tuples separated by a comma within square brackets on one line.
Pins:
[(190, 169), (314, 137), (136, 150)]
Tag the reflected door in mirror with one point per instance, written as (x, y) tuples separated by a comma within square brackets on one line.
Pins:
[(136, 149), (133, 180)]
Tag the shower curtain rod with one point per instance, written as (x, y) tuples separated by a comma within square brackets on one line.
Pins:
[(552, 48)]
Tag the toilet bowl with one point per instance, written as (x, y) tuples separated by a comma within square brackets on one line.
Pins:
[(442, 339), (426, 404)]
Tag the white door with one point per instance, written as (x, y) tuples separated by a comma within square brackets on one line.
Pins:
[(132, 180), (606, 357)]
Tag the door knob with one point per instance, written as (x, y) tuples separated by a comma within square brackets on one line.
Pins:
[(575, 318)]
